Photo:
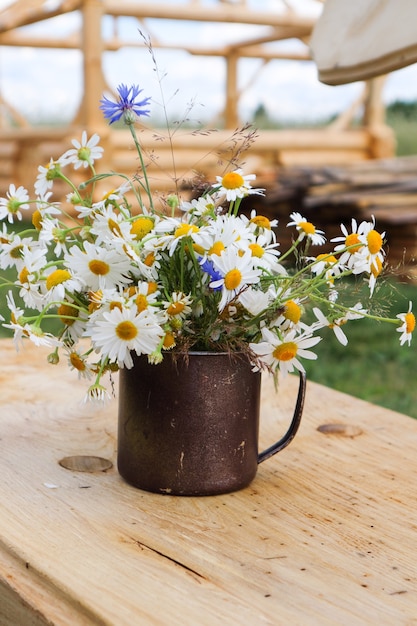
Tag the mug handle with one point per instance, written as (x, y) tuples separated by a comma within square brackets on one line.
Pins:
[(295, 423)]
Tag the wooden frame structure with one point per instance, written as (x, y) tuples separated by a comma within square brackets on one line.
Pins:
[(24, 147)]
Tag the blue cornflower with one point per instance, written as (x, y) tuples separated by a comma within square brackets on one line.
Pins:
[(208, 267), (126, 106)]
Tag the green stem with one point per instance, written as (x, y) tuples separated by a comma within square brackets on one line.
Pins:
[(142, 164)]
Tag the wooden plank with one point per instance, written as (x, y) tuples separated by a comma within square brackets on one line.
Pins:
[(314, 139), (8, 149), (355, 41), (200, 12), (24, 12), (325, 535)]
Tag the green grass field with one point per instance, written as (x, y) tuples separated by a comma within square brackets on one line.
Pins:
[(373, 365)]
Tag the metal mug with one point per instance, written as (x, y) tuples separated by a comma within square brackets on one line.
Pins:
[(189, 426)]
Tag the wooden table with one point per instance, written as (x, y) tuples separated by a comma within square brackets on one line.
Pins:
[(326, 534)]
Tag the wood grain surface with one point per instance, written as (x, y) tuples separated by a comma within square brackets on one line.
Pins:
[(326, 533)]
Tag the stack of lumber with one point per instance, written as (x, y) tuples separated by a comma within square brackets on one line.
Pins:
[(329, 196)]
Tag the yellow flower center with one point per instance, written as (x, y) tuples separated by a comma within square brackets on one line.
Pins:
[(99, 267), (141, 302), (175, 308), (126, 330), (67, 313), (185, 229), (15, 252), (374, 240), (169, 341), (292, 311), (285, 351), (410, 322), (307, 227), (77, 362), (152, 287), (150, 259), (94, 297), (217, 248), (24, 275), (107, 195), (232, 279), (37, 219), (261, 221), (376, 270), (329, 259), (232, 180), (57, 278), (115, 305), (141, 227), (257, 250), (353, 242)]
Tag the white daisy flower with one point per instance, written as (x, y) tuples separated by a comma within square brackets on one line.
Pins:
[(255, 301), (306, 229), (283, 353), (226, 231), (16, 320), (178, 306), (84, 211), (357, 312), (53, 233), (18, 333), (74, 320), (199, 207), (15, 312), (350, 244), (335, 326), (97, 394), (237, 273), (97, 267), (290, 318), (33, 263), (58, 282), (110, 226), (328, 265), (145, 262), (11, 250), (372, 252), (144, 295), (39, 337), (199, 236), (265, 255), (259, 224), (408, 325), (112, 196), (376, 269), (236, 185), (120, 331), (46, 176), (16, 200), (78, 362), (84, 153), (142, 227)]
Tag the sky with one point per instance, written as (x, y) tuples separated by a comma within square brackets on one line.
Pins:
[(46, 85)]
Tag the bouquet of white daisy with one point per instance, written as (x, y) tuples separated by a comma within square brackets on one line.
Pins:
[(123, 277)]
